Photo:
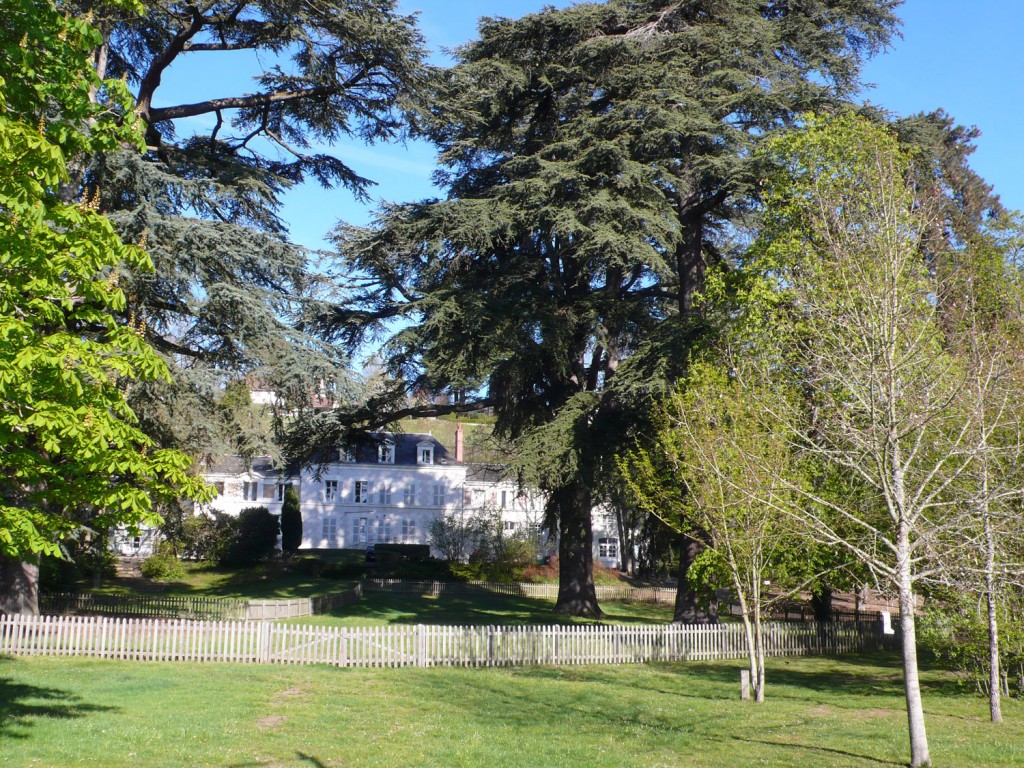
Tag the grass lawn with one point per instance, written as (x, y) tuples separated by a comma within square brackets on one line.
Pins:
[(268, 581), (478, 608), (820, 713)]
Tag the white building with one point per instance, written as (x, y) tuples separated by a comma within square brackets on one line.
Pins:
[(387, 489)]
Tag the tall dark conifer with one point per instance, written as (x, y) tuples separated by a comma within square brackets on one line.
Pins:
[(230, 289), (591, 157)]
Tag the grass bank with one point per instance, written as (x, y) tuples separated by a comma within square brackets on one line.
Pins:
[(836, 713), (475, 607)]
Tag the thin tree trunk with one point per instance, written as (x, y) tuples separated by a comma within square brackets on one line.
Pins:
[(576, 593), (994, 703), (919, 756), (748, 634), (759, 653), (19, 587)]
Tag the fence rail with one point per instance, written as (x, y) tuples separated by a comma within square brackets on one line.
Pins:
[(422, 646)]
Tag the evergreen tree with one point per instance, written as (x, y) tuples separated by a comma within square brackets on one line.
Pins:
[(229, 290), (591, 155), (291, 522)]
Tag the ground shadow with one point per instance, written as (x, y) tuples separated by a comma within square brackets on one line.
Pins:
[(465, 604), (812, 748), (878, 674), (21, 704)]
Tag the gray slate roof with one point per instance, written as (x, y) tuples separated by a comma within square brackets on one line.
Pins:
[(406, 447)]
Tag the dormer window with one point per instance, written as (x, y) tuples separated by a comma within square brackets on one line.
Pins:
[(425, 453), (347, 456), (386, 452)]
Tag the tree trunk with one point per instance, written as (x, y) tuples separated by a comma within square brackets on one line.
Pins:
[(919, 756), (690, 266), (627, 558), (759, 654), (821, 603), (576, 593), (688, 608), (994, 703), (19, 587)]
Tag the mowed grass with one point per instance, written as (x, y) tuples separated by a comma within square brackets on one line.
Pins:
[(475, 607), (263, 582), (837, 712)]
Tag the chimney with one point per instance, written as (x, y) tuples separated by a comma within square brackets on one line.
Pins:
[(458, 442)]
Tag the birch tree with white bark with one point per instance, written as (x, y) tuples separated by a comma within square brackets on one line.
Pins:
[(888, 404)]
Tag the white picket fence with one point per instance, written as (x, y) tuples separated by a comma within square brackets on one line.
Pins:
[(420, 645)]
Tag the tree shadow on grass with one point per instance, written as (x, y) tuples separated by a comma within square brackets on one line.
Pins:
[(465, 605), (827, 750), (872, 675), (21, 704), (302, 757)]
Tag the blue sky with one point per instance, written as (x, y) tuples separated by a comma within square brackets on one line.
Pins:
[(966, 58)]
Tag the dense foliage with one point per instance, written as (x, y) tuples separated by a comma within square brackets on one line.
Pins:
[(591, 159), (72, 456)]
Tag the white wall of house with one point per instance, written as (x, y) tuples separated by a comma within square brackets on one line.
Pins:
[(353, 504)]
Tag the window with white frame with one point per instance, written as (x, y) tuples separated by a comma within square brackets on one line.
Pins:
[(359, 530), (280, 490), (250, 490), (347, 456), (384, 493), (269, 491), (386, 525), (219, 487), (386, 452), (330, 490), (437, 497), (409, 495), (361, 492), (330, 528), (425, 453), (504, 499), (509, 526), (408, 531), (607, 547)]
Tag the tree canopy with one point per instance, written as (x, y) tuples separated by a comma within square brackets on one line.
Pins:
[(591, 157), (71, 451), (229, 289)]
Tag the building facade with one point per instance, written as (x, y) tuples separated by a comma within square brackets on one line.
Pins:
[(388, 489)]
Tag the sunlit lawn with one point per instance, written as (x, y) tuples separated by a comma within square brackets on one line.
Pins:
[(820, 712)]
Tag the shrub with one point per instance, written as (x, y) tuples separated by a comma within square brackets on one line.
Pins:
[(162, 565), (255, 539), (407, 553), (206, 538)]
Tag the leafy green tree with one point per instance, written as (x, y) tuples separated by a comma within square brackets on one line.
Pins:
[(866, 307), (71, 452), (591, 155), (291, 522), (229, 290), (713, 467)]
